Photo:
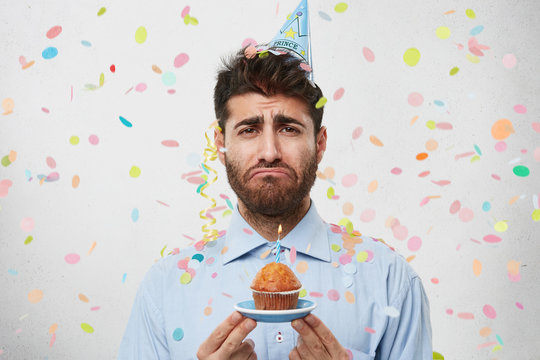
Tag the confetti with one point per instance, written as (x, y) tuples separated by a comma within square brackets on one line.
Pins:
[(140, 35), (442, 32), (101, 11), (521, 171), (415, 99), (470, 14), (8, 104), (375, 141), (54, 32), (368, 54), (341, 7), (124, 121), (87, 328), (49, 53), (35, 296), (339, 94), (509, 61), (180, 60), (134, 172), (411, 56), (72, 258), (322, 101), (178, 334), (489, 311)]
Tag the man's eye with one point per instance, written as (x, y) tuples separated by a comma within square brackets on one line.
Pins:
[(247, 131), (289, 129)]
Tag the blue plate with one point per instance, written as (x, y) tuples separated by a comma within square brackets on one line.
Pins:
[(247, 308)]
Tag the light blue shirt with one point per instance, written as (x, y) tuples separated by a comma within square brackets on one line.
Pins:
[(367, 295)]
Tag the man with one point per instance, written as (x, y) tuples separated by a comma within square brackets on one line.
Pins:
[(371, 304)]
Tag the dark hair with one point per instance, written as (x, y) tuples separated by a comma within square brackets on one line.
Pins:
[(267, 75)]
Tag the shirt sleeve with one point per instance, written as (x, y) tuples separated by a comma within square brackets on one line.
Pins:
[(144, 337), (408, 336)]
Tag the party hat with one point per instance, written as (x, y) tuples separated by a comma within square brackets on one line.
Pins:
[(294, 35)]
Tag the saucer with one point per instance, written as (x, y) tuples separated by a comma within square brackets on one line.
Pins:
[(247, 308)]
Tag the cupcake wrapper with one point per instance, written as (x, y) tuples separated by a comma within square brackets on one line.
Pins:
[(283, 300)]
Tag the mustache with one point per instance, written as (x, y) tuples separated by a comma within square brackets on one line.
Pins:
[(270, 165)]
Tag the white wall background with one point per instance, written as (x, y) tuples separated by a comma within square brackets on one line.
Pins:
[(52, 103)]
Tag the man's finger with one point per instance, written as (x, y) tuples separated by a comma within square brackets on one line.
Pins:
[(311, 341), (245, 350), (219, 335), (327, 337), (235, 338)]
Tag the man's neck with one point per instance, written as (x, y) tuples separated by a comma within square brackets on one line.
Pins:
[(267, 226)]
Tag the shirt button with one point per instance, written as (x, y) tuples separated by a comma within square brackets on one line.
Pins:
[(279, 337)]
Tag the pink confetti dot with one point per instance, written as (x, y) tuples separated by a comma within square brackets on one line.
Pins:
[(195, 180), (180, 60), (400, 232), (54, 32), (182, 264), (492, 239), (368, 54), (51, 162), (415, 99), (435, 280), (536, 126), (72, 258), (537, 154), (210, 260), (140, 87), (367, 215), (519, 306), (171, 91), (357, 132), (396, 171), (344, 259), (247, 231), (293, 254), (509, 61), (449, 311), (500, 146), (339, 94), (185, 11), (466, 214), (93, 139), (414, 243), (466, 316), (249, 41), (370, 330), (316, 294), (369, 255), (424, 173), (520, 109), (496, 177), (27, 224), (489, 311), (349, 180), (191, 272), (214, 275), (45, 110), (444, 126), (454, 208), (199, 245), (333, 295), (170, 143)]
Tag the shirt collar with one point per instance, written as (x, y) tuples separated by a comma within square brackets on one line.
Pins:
[(309, 237)]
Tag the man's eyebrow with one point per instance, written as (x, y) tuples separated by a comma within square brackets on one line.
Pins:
[(284, 119), (250, 121)]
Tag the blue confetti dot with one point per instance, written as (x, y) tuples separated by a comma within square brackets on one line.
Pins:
[(13, 272), (486, 206), (178, 334), (168, 78), (477, 149), (49, 53), (86, 43), (229, 204), (135, 214), (438, 102), (198, 257), (499, 339), (325, 16), (477, 30), (125, 122), (124, 278)]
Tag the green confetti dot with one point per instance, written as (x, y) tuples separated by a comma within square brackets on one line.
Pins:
[(101, 11), (185, 278), (28, 240), (442, 32), (470, 13), (536, 215), (454, 71), (322, 101), (349, 227), (411, 56), (437, 356), (140, 35), (341, 7), (336, 247), (168, 78), (475, 158), (431, 125), (5, 161), (135, 172), (74, 140), (302, 293), (87, 328), (330, 192), (522, 171)]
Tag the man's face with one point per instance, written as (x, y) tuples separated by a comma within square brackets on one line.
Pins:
[(272, 152)]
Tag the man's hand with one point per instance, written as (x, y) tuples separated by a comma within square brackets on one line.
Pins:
[(316, 341), (227, 340)]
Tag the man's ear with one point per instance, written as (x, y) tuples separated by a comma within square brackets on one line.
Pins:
[(219, 140), (321, 144)]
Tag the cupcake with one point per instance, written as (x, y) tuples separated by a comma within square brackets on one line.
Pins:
[(275, 287)]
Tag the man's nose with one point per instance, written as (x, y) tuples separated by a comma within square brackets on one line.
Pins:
[(269, 148)]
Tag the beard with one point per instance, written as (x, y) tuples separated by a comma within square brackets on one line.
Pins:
[(270, 196)]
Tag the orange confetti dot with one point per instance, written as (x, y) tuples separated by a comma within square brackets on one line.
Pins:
[(224, 250), (329, 172), (502, 129), (477, 267), (431, 145), (75, 181), (349, 297), (449, 12), (92, 247), (348, 208), (375, 141), (35, 296), (302, 267), (513, 200), (156, 69), (12, 156), (410, 258), (485, 331), (265, 254), (53, 328), (83, 298), (513, 267), (421, 156), (413, 120), (373, 186), (207, 311)]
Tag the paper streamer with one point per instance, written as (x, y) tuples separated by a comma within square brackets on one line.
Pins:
[(210, 154)]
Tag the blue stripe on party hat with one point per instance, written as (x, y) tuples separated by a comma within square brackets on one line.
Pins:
[(294, 35)]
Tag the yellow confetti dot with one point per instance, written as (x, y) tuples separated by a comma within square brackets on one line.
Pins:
[(74, 140), (501, 226), (101, 79), (322, 101), (185, 278), (140, 35), (454, 71), (536, 215), (336, 247), (362, 256), (349, 297), (349, 227), (302, 267), (302, 293), (473, 58), (330, 192), (442, 32), (135, 172), (431, 125), (341, 7), (411, 56), (87, 328), (470, 13), (35, 296)]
